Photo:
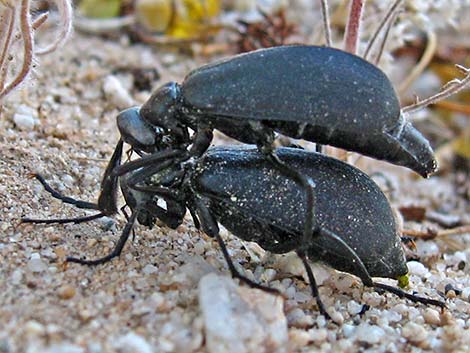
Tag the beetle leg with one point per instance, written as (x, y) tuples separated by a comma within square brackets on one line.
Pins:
[(175, 155), (402, 294), (201, 141), (364, 275), (210, 227), (117, 249), (65, 199), (309, 186), (313, 285)]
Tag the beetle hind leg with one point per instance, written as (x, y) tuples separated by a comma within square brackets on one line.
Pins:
[(402, 294), (313, 285)]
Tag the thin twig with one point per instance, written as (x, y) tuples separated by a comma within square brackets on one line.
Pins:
[(28, 47), (8, 24), (352, 28), (326, 22), (431, 234), (385, 37), (450, 88), (65, 13), (431, 47), (388, 16)]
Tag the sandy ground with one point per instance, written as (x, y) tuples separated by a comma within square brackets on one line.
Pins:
[(152, 298)]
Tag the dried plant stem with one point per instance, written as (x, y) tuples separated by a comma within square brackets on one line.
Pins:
[(431, 234), (6, 32), (385, 37), (326, 22), (65, 12), (426, 58), (450, 88), (353, 26), (28, 47), (388, 19)]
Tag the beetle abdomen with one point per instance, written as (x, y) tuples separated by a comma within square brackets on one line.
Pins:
[(245, 192)]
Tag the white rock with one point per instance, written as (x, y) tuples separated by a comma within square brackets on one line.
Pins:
[(240, 319), (116, 93), (60, 348), (427, 248), (132, 343), (417, 268), (414, 333), (24, 121), (369, 333), (36, 264), (149, 269)]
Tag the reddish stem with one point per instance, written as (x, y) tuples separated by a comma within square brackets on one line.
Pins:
[(352, 28)]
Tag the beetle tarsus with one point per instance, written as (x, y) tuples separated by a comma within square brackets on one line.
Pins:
[(313, 285), (117, 249), (414, 298)]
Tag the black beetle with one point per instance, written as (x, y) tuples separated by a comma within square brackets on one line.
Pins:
[(319, 94), (354, 228)]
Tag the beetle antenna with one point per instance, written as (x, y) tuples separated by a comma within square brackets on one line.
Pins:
[(75, 220), (449, 89), (65, 199)]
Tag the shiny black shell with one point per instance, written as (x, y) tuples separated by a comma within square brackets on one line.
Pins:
[(320, 86), (258, 203)]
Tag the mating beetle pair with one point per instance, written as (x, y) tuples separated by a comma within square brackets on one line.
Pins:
[(354, 228), (319, 94)]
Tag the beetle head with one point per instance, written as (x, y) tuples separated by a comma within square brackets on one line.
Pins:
[(162, 107), (136, 132)]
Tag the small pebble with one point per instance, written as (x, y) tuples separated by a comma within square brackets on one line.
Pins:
[(66, 292), (369, 333), (24, 122), (417, 268), (36, 264), (132, 343), (432, 317), (414, 333), (116, 93), (34, 328), (149, 269), (466, 294)]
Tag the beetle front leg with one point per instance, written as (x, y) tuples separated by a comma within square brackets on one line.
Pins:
[(210, 227)]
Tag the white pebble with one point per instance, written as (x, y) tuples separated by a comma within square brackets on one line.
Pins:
[(132, 343), (36, 264), (149, 269), (432, 316), (427, 248), (63, 348), (239, 319), (298, 318), (24, 122), (414, 333), (466, 294), (369, 333), (417, 268), (348, 330), (353, 307), (116, 93)]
